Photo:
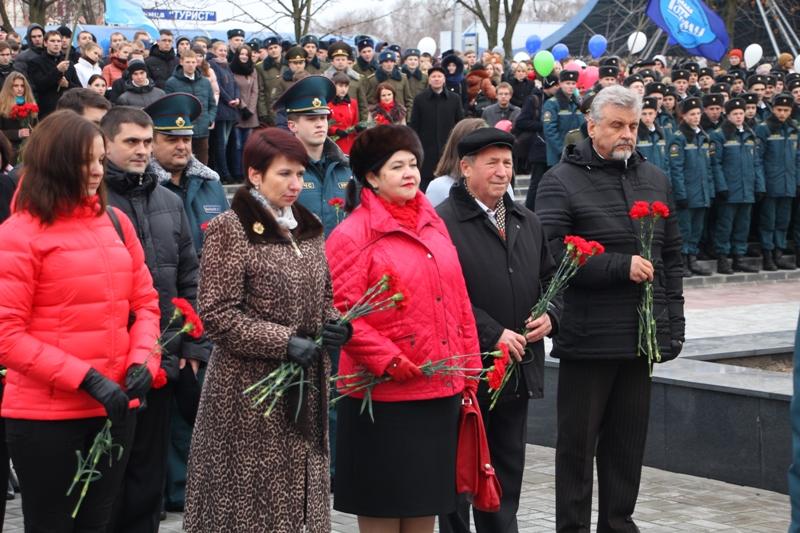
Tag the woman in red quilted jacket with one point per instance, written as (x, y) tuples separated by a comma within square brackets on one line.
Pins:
[(78, 318), (344, 114), (398, 472)]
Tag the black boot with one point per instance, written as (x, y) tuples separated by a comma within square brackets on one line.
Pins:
[(784, 263), (686, 272), (740, 266), (724, 265), (769, 263), (697, 268)]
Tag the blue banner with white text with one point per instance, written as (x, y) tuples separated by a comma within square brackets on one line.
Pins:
[(692, 25)]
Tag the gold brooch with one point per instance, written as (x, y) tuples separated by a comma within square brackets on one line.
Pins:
[(180, 122), (316, 102), (258, 227)]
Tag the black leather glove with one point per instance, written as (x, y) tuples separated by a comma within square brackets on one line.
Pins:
[(682, 204), (760, 196), (171, 366), (335, 334), (107, 393), (138, 381), (722, 196), (302, 351)]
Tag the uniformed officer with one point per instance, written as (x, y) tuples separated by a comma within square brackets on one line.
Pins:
[(203, 198), (692, 182), (341, 54), (310, 44), (306, 106), (560, 114), (652, 142), (739, 182), (705, 79), (712, 112), (269, 73), (365, 62), (417, 80), (667, 116), (793, 88), (778, 142), (750, 110), (737, 87), (235, 41), (296, 59), (721, 88), (391, 74), (680, 80), (758, 84), (635, 83)]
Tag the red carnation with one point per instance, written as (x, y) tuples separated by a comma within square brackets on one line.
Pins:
[(337, 203), (160, 380), (204, 226), (660, 209), (503, 347), (597, 248), (640, 210), (33, 108), (495, 379), (183, 307), (192, 325)]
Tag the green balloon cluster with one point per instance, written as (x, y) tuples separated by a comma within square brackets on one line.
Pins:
[(543, 63)]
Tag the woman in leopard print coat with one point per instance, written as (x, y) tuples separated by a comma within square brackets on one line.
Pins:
[(263, 286)]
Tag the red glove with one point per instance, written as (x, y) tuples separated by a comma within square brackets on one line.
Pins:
[(401, 369)]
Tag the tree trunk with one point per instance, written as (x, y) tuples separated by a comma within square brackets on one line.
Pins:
[(36, 11), (494, 23), (729, 15), (512, 18), (6, 23)]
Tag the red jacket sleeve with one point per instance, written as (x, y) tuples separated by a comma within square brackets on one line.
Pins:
[(143, 303)]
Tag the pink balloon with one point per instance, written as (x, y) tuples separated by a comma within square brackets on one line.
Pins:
[(572, 66), (588, 77)]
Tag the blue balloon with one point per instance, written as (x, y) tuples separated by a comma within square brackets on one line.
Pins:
[(560, 51), (533, 43), (597, 45)]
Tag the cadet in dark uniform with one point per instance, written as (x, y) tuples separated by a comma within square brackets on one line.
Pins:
[(269, 73), (417, 80), (778, 141), (680, 80), (652, 142), (365, 62), (560, 114), (739, 182), (296, 59), (340, 55), (692, 182), (723, 89), (712, 112), (667, 116), (391, 74), (310, 44), (758, 84), (705, 79), (751, 110)]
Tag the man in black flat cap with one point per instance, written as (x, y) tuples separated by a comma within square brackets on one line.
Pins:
[(434, 114), (506, 261)]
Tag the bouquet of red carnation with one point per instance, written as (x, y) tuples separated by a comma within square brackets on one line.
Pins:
[(25, 113), (103, 444), (338, 205), (648, 215), (289, 374), (364, 381), (578, 251)]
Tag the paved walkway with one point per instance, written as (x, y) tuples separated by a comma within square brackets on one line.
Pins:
[(667, 502)]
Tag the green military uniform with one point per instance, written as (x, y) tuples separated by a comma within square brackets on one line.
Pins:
[(355, 92), (738, 178), (361, 66), (398, 81), (417, 80), (269, 73)]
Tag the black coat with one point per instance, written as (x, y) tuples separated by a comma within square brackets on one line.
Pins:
[(522, 90), (433, 117), (588, 196), (163, 229), (529, 127), (161, 65), (504, 277), (45, 78)]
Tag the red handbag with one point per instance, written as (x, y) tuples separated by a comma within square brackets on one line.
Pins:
[(475, 474)]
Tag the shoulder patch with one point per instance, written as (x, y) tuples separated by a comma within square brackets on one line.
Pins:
[(547, 117), (674, 150)]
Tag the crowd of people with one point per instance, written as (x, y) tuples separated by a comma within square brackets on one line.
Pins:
[(354, 163)]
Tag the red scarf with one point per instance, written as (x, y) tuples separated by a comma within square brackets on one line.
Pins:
[(121, 64), (406, 215)]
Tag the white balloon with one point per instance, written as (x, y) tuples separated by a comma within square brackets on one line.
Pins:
[(522, 56), (636, 42), (797, 64), (427, 45), (580, 63), (752, 55)]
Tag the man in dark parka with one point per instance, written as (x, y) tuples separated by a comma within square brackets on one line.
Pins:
[(603, 386), (506, 261), (434, 114)]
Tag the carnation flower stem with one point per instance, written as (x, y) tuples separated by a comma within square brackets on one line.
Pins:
[(87, 472)]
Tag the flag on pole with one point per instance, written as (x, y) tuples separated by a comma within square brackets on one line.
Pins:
[(129, 13), (692, 25)]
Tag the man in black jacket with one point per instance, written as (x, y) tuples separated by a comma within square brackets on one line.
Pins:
[(47, 74), (163, 230), (604, 387), (162, 60), (506, 260), (434, 114)]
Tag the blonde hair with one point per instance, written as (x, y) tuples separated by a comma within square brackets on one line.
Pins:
[(7, 98)]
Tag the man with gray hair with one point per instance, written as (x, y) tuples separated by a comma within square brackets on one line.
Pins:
[(604, 384)]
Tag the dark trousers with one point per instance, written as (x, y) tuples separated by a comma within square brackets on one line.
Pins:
[(200, 149), (506, 429), (603, 408), (538, 168), (691, 222), (138, 504), (43, 452), (733, 225), (222, 129), (773, 223)]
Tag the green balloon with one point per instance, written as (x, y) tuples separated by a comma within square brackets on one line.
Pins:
[(543, 63)]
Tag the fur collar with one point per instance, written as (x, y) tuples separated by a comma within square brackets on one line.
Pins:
[(416, 73), (366, 67), (194, 169), (382, 76), (251, 214)]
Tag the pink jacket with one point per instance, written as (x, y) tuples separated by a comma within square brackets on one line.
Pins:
[(435, 321), (66, 291)]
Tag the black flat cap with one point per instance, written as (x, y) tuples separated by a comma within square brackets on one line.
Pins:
[(482, 138)]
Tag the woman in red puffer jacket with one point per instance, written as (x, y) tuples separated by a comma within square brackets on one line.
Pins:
[(70, 287), (401, 467)]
